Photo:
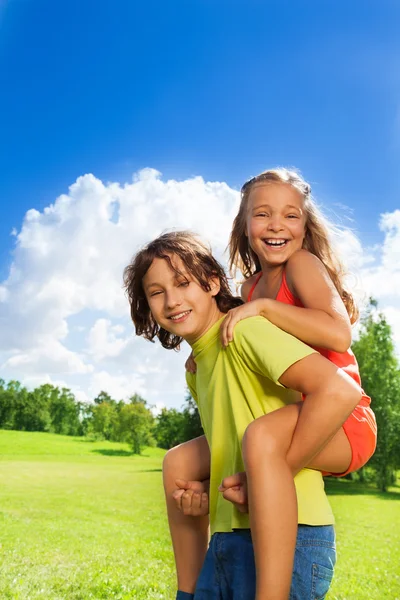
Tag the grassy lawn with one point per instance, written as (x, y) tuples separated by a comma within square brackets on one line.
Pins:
[(82, 519), (368, 541)]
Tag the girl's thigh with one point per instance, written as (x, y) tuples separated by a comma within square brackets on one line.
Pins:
[(274, 432)]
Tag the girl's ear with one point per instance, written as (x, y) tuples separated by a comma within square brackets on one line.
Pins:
[(215, 286)]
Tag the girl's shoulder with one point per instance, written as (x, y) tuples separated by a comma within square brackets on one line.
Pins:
[(247, 286), (303, 266), (304, 260)]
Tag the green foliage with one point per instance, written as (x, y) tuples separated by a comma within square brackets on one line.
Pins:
[(174, 427), (169, 428), (380, 377), (192, 423), (103, 397), (46, 408), (104, 421), (49, 408), (136, 424)]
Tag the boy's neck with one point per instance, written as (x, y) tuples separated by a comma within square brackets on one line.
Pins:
[(215, 316)]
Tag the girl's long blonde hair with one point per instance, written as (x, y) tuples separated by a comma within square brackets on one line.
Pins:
[(317, 239)]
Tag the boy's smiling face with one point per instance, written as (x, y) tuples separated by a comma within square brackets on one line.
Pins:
[(177, 301)]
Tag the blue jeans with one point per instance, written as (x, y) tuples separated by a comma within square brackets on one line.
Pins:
[(229, 572)]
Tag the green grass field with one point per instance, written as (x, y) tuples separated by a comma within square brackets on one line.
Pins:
[(82, 519)]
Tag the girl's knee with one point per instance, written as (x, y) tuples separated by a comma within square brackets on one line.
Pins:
[(259, 440)]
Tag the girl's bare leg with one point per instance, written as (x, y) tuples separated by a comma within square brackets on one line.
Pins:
[(272, 494), (190, 461)]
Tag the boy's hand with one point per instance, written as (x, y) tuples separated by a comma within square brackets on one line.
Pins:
[(233, 316), (234, 489), (190, 364), (191, 497)]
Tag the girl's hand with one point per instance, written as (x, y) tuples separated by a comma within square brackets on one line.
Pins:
[(250, 309), (190, 364), (234, 489)]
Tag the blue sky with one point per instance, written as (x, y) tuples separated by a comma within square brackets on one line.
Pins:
[(219, 89)]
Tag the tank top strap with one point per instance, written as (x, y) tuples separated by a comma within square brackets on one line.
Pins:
[(249, 297), (285, 295)]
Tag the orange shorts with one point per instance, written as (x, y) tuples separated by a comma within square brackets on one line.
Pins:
[(360, 428)]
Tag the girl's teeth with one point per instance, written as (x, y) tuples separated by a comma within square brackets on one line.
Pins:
[(276, 243)]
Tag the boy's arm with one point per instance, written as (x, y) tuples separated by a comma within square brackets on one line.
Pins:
[(330, 397)]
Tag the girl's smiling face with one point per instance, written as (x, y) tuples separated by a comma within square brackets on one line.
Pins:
[(177, 301), (276, 222)]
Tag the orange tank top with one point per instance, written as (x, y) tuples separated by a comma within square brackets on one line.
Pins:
[(345, 360)]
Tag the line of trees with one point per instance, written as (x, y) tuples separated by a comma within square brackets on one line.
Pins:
[(134, 422), (49, 408), (46, 408)]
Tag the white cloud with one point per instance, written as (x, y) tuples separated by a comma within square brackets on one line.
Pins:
[(68, 262), (51, 357), (63, 314), (3, 293), (382, 279), (104, 341), (390, 224), (118, 386)]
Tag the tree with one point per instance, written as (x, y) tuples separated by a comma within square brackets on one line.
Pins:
[(192, 424), (26, 416), (64, 412), (103, 397), (174, 427), (105, 421), (380, 377), (8, 394), (136, 424), (35, 414), (169, 429)]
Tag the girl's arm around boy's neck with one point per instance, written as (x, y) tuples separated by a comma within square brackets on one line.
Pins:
[(324, 321)]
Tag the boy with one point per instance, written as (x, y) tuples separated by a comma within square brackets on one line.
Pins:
[(177, 290)]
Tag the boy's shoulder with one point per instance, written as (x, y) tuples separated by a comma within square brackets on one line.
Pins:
[(191, 382), (256, 331), (243, 327), (253, 330)]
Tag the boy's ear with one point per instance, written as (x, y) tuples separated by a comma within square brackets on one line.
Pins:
[(215, 286)]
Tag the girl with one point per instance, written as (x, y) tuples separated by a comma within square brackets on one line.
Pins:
[(281, 244)]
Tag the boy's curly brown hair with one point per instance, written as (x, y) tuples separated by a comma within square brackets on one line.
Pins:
[(199, 262)]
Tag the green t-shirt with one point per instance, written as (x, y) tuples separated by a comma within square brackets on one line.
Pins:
[(232, 387)]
